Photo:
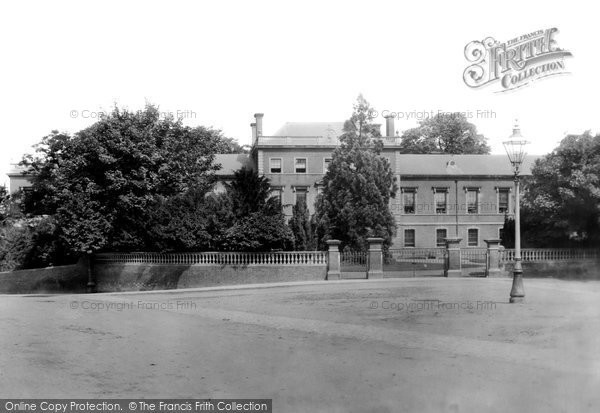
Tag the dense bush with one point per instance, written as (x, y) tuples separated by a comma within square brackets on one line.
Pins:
[(244, 218), (31, 243)]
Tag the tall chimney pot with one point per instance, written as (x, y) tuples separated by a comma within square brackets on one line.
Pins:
[(259, 123), (389, 126)]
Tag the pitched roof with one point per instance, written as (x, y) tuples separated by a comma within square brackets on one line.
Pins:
[(472, 165), (324, 129), (232, 162)]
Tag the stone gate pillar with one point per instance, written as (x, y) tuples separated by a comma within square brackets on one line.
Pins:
[(492, 266), (333, 259), (375, 264), (452, 266)]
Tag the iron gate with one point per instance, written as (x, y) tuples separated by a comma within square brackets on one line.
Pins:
[(414, 262)]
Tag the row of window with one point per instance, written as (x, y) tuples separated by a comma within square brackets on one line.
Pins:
[(300, 165), (300, 191), (440, 236), (440, 201), (409, 200)]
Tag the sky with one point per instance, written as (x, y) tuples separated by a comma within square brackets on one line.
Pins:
[(218, 63)]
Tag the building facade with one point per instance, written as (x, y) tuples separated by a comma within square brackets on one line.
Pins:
[(439, 196), (464, 196)]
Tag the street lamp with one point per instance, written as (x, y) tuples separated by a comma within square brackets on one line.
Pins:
[(91, 285), (515, 148)]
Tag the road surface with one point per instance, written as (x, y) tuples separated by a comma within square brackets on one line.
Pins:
[(426, 344)]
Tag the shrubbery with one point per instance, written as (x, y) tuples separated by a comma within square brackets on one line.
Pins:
[(29, 242), (244, 218)]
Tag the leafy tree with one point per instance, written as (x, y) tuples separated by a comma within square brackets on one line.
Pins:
[(4, 204), (301, 227), (31, 243), (258, 223), (178, 223), (249, 192), (357, 187), (15, 244), (26, 242), (244, 218), (561, 202), (445, 133), (193, 221), (230, 145), (219, 218), (101, 183), (259, 231), (508, 232)]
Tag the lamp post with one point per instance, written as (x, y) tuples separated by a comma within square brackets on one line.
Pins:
[(91, 285), (515, 149)]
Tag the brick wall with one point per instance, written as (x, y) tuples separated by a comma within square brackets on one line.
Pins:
[(564, 269), (67, 278), (141, 277)]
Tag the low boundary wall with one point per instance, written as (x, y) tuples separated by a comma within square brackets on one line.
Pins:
[(143, 276), (65, 278), (155, 271), (584, 269)]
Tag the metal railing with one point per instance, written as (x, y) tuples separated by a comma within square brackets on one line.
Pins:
[(473, 256), (354, 258), (217, 258), (417, 255), (550, 254)]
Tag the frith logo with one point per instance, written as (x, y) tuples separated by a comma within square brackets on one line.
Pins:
[(515, 63)]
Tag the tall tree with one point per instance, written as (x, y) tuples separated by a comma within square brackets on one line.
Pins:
[(4, 204), (101, 183), (301, 226), (258, 223), (446, 133), (358, 185), (230, 145), (249, 192), (508, 232), (561, 202)]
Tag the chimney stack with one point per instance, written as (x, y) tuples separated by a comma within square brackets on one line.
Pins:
[(389, 126), (259, 124), (253, 126)]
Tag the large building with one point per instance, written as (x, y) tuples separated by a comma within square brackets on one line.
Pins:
[(439, 195)]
